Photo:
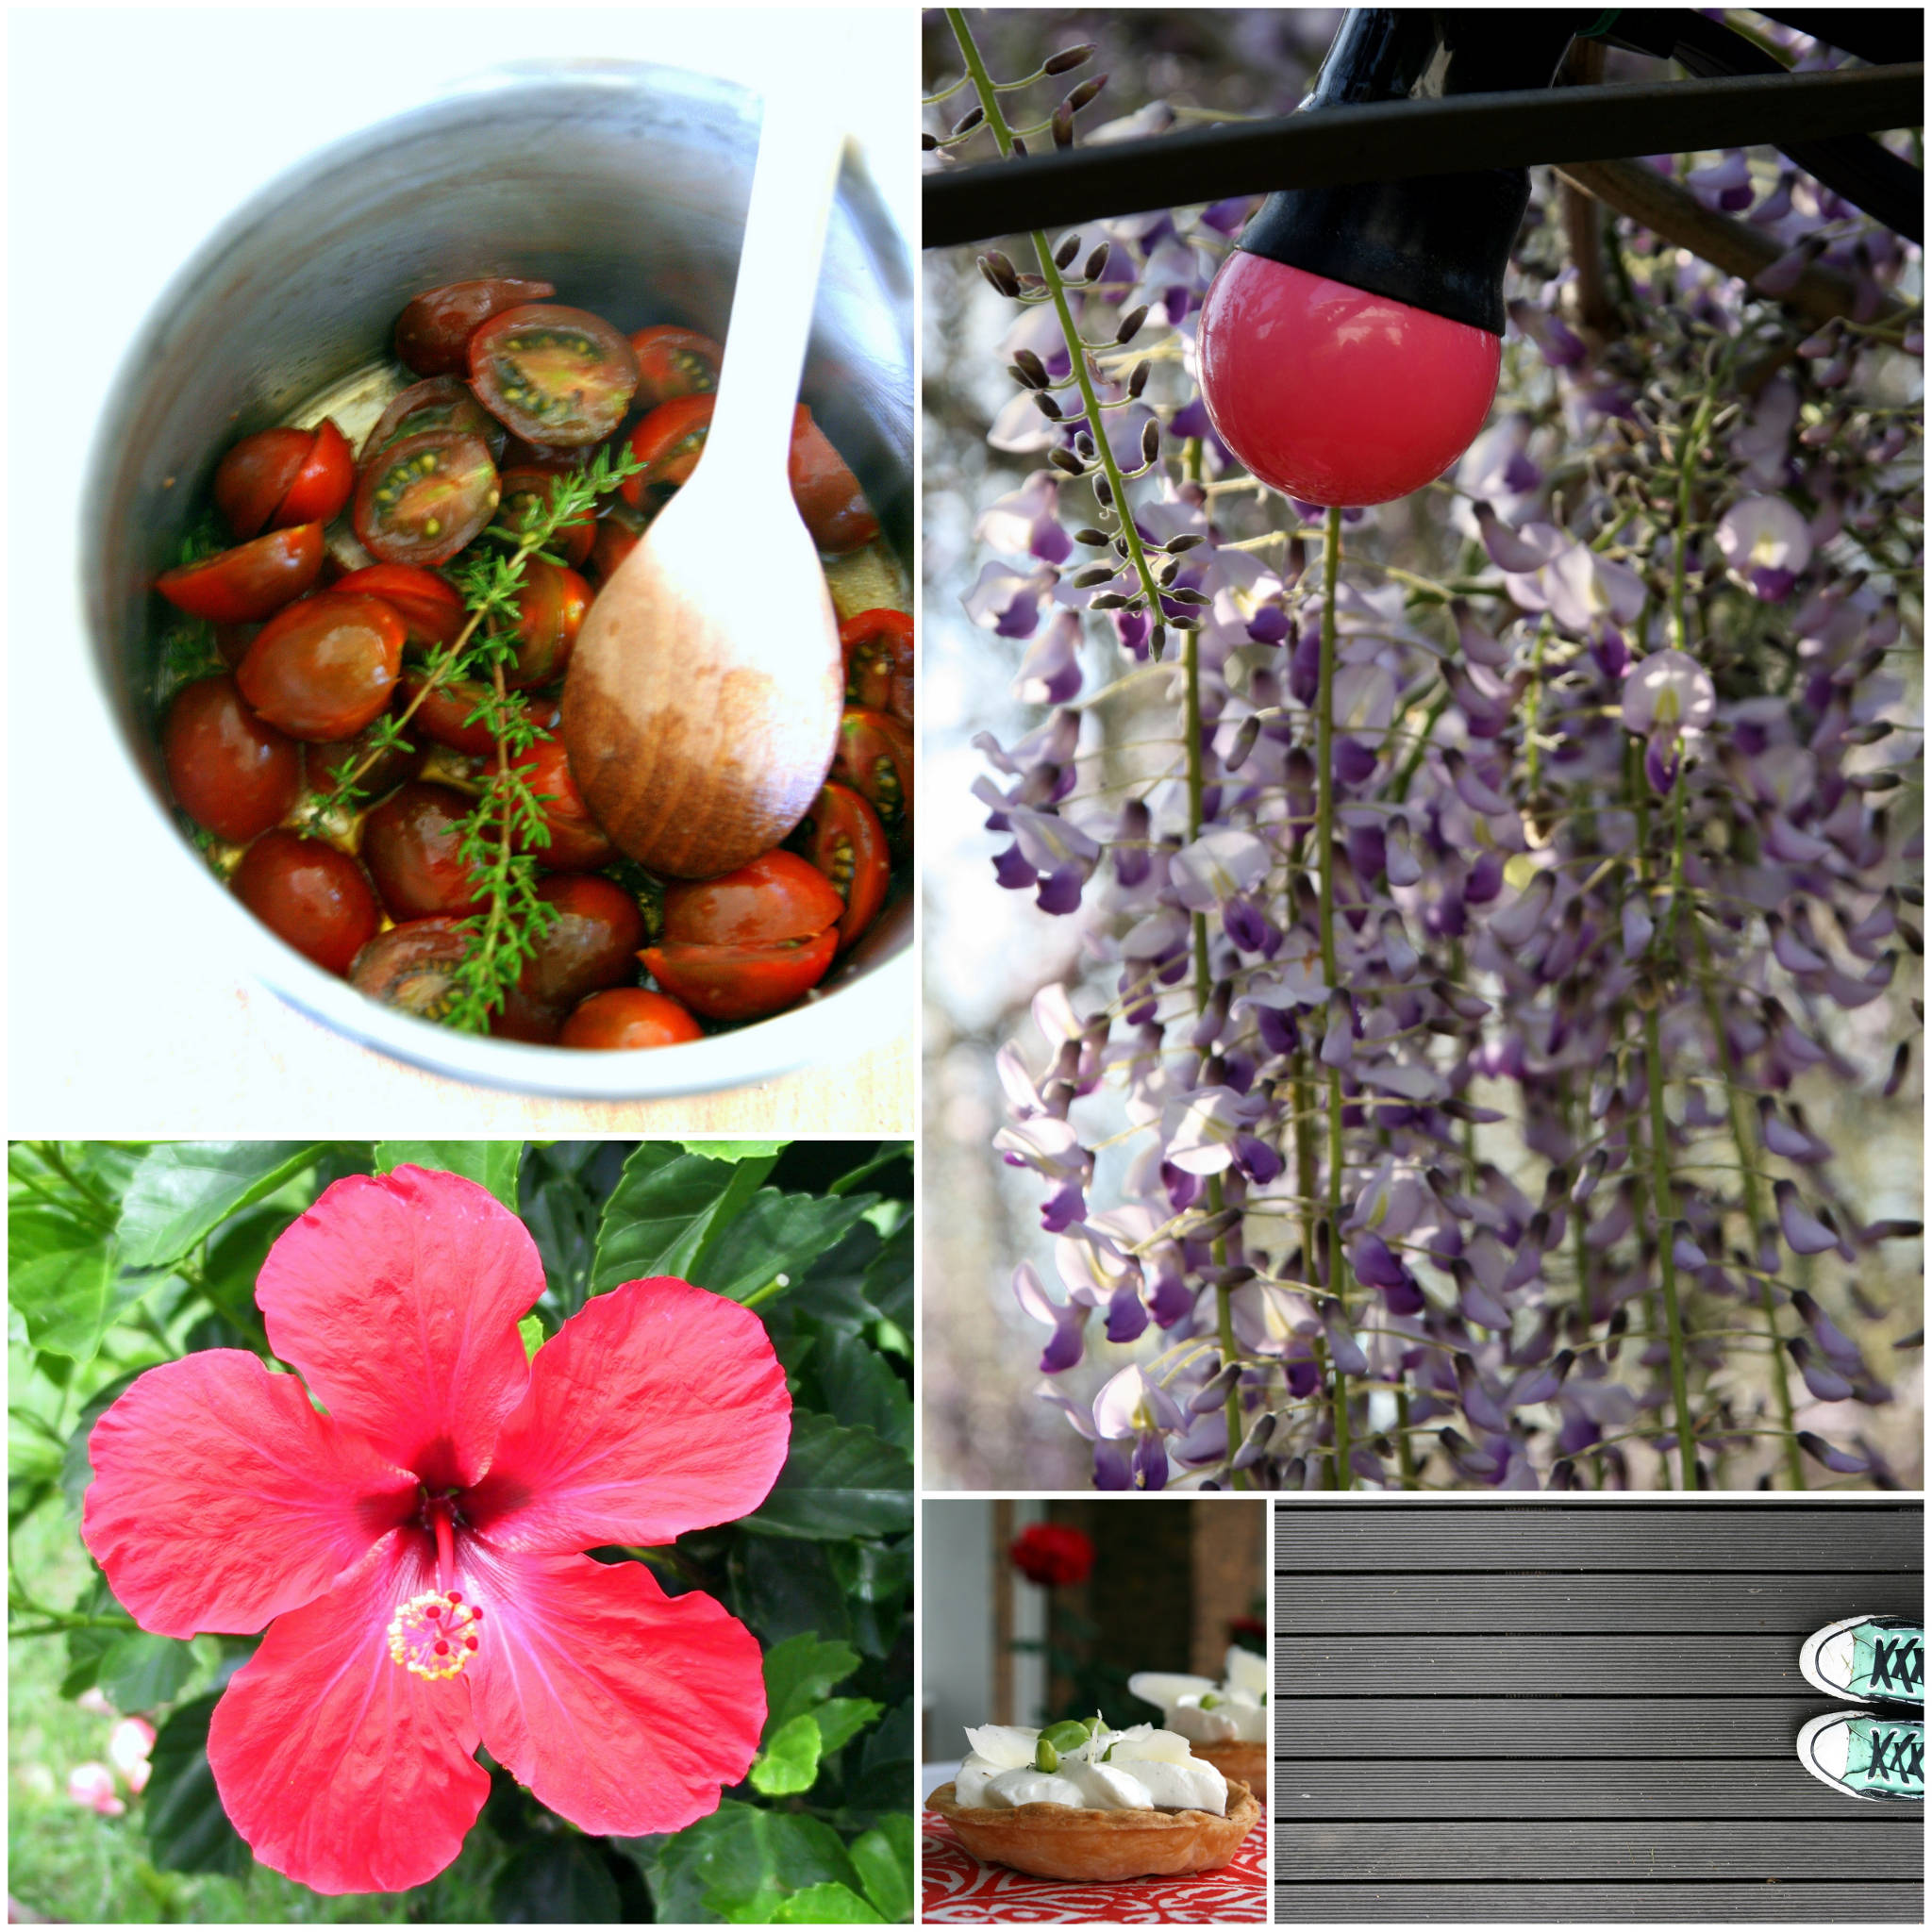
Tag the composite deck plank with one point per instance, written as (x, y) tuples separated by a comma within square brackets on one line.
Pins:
[(1634, 1905)]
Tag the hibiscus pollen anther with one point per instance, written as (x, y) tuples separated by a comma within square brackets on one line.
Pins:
[(421, 1631)]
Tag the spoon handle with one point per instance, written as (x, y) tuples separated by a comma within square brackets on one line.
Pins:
[(799, 155)]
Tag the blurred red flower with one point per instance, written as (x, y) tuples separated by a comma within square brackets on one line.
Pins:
[(1051, 1553)]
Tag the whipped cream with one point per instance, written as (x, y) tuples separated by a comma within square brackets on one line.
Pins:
[(1232, 1712), (1141, 1769)]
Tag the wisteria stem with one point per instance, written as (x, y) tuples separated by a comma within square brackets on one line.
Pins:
[(1666, 1222)]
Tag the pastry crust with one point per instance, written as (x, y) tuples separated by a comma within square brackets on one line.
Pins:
[(1100, 1847), (1246, 1758)]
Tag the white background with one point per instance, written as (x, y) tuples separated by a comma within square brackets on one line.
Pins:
[(132, 136)]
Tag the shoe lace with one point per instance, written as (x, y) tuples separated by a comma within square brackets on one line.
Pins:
[(1898, 1754), (1898, 1664)]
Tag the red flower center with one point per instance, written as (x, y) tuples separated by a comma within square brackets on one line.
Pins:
[(434, 1634)]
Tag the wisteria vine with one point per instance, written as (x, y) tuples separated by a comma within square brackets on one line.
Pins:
[(1468, 927)]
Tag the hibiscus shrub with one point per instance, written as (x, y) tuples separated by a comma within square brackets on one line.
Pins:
[(595, 1454)]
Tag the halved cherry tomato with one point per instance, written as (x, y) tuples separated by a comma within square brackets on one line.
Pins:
[(842, 836), (322, 484), (577, 842), (324, 668), (448, 714), (777, 896), (825, 490), (741, 982), (668, 443), (878, 645), (250, 582), (257, 473), (618, 530), (309, 895), (553, 375), (412, 967), (433, 332), (328, 763), (411, 843), (423, 498), (553, 602), (442, 403), (230, 771), (427, 604), (591, 944), (674, 361), (875, 757), (524, 490), (628, 1017), (551, 459)]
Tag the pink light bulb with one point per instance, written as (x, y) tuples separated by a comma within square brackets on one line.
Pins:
[(1334, 395)]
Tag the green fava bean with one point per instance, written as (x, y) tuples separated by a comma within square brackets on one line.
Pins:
[(1067, 1735), (1046, 1757)]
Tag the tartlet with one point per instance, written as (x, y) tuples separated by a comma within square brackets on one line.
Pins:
[(1239, 1761), (1100, 1847)]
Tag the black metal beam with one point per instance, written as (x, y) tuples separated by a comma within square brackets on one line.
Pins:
[(1390, 139)]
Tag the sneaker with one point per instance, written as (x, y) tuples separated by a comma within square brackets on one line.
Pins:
[(1875, 1659), (1866, 1756)]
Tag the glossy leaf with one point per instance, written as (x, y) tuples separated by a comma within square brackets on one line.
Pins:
[(861, 1390), (776, 1235), (187, 1829), (800, 1672), (658, 1214), (181, 1192), (742, 1863), (556, 1881), (837, 1482), (736, 1150), (790, 1762), (841, 1719), (491, 1164), (888, 1279), (826, 1905), (57, 1273), (785, 1589), (884, 1859)]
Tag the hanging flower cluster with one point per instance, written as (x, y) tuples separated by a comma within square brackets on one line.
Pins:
[(1463, 930)]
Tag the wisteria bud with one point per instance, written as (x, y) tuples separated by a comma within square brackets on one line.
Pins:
[(1130, 325), (1068, 247), (968, 121), (1000, 272), (1083, 95), (1068, 58), (1095, 265)]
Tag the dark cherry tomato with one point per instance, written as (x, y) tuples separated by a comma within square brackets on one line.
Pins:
[(322, 484), (551, 459), (431, 608), (591, 944), (526, 489), (825, 490), (629, 1017), (433, 332), (327, 764), (230, 771), (674, 361), (250, 582), (442, 403), (668, 443), (577, 842), (553, 375), (618, 530), (842, 837), (448, 713), (412, 967), (309, 895), (256, 476), (409, 844), (423, 498), (741, 982), (324, 668), (878, 661), (233, 639), (875, 757), (553, 602), (777, 896)]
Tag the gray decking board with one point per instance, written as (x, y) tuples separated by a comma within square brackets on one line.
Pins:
[(1520, 1712)]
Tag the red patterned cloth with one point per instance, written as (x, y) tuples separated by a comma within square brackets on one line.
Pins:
[(959, 1890)]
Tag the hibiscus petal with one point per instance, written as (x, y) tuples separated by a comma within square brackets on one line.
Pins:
[(622, 1708), (656, 1408), (397, 1296), (343, 1770), (220, 1498)]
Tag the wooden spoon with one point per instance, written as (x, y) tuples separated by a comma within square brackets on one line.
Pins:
[(701, 708)]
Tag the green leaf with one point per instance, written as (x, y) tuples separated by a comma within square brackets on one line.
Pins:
[(887, 1278), (862, 1389), (884, 1768), (789, 1763), (561, 1216), (837, 1482), (658, 1214), (743, 1862), (799, 1673), (736, 1150), (783, 1589), (140, 1671), (841, 1719), (187, 1829), (57, 1273), (876, 1579), (889, 1151), (491, 1164), (181, 1192), (531, 1329), (884, 1860), (556, 1881), (826, 1905), (234, 1262), (775, 1235)]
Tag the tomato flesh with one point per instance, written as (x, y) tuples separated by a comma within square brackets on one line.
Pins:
[(878, 647), (322, 484), (741, 982), (412, 845), (553, 375), (674, 361), (668, 443), (433, 332), (423, 498), (231, 770), (442, 403), (842, 836), (252, 581), (528, 490), (311, 895), (777, 896), (412, 967), (875, 759), (324, 667), (430, 608), (628, 1017)]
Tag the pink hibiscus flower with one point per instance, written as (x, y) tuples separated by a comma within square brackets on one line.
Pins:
[(417, 1551)]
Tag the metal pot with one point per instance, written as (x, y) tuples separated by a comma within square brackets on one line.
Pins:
[(624, 184)]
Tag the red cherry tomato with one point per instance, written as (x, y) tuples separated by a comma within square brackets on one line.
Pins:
[(591, 944), (741, 982), (674, 361), (411, 846), (423, 497), (825, 490), (309, 895), (618, 530), (250, 582), (328, 763), (430, 606), (878, 661), (577, 842), (230, 771), (777, 896), (875, 757), (629, 1017), (433, 332), (553, 375), (257, 473), (668, 443), (553, 602), (322, 484), (233, 639), (842, 836), (412, 967), (324, 668), (442, 403), (448, 713), (524, 489)]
